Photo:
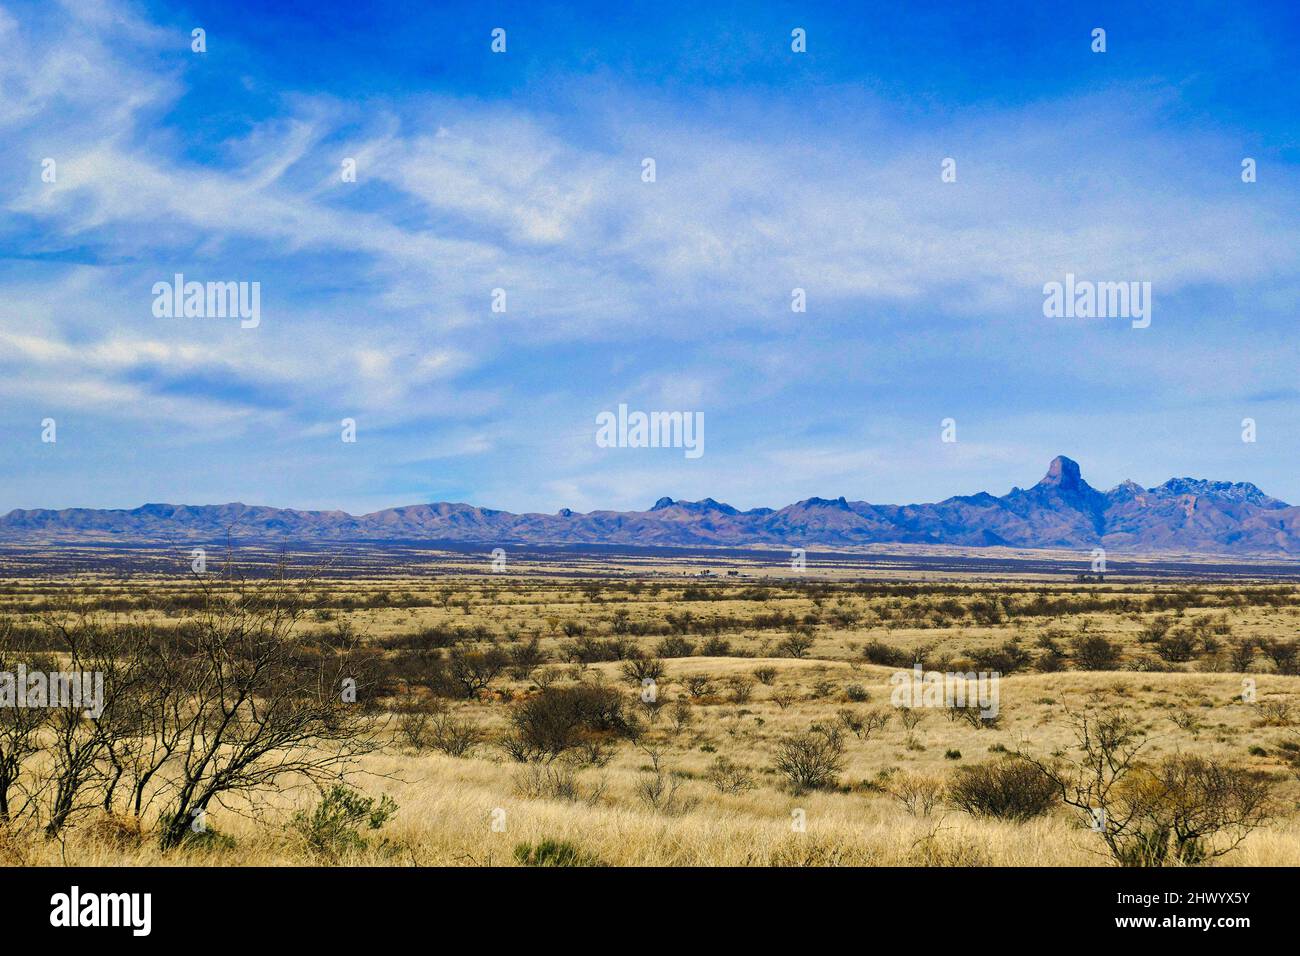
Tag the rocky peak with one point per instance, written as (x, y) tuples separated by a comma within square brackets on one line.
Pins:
[(1063, 473), (1236, 491)]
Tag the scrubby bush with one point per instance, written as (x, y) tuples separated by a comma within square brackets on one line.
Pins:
[(918, 793), (472, 671), (1007, 659), (1275, 712), (1189, 810), (525, 658), (1184, 809), (698, 685), (560, 719), (716, 647), (1155, 629), (451, 734), (1282, 653), (812, 760), (741, 688), (591, 650), (1176, 647), (1092, 652), (795, 645), (878, 652), (549, 852), (675, 646), (638, 671), (726, 776), (338, 823), (1008, 789), (659, 788), (973, 715), (1241, 654), (552, 781)]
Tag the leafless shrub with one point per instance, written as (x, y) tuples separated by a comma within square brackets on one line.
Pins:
[(973, 715), (473, 671), (639, 672), (249, 706), (413, 725), (1241, 654), (873, 720), (936, 849), (741, 688), (546, 782), (453, 735), (1008, 789), (795, 645), (729, 777), (660, 789), (910, 717), (526, 658), (546, 676), (1275, 712), (559, 719), (681, 715), (812, 760), (698, 685), (1183, 810), (1284, 654), (20, 729), (1192, 810), (918, 793)]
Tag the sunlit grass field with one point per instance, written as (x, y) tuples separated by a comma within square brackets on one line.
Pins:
[(747, 663)]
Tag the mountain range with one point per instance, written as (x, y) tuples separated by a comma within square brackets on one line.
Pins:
[(1060, 511)]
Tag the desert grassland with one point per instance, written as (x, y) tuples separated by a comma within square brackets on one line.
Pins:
[(812, 643)]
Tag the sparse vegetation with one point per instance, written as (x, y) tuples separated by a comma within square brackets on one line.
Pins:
[(530, 696)]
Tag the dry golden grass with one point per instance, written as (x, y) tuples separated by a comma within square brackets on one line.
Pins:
[(469, 811)]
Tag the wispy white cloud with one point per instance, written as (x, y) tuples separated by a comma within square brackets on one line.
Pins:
[(675, 293)]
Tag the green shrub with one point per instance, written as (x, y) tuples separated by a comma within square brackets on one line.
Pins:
[(548, 852), (337, 824)]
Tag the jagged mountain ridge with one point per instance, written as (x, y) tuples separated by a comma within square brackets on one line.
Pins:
[(1060, 511)]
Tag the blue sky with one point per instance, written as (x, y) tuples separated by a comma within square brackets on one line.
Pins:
[(522, 171)]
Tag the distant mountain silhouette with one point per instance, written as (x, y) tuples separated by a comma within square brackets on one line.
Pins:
[(1061, 511)]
